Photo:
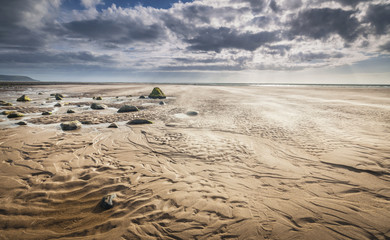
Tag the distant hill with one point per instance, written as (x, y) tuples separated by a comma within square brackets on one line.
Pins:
[(15, 78)]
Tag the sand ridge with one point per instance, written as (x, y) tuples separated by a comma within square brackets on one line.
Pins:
[(256, 163)]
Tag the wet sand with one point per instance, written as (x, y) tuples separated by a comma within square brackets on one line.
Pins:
[(255, 163)]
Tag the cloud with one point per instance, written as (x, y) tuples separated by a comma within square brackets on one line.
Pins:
[(378, 16), (321, 23), (216, 39), (385, 47)]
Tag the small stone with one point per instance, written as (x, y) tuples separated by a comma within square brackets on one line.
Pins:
[(162, 103), (107, 202), (7, 112), (58, 105), (57, 95), (40, 93), (58, 98), (192, 113), (21, 123), (46, 113), (15, 115), (139, 121), (23, 98), (73, 125), (98, 106), (87, 122), (113, 125), (142, 97), (3, 103), (127, 108), (70, 111), (99, 98)]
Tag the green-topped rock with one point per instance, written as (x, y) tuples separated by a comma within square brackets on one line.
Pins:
[(15, 115), (70, 111), (46, 113), (7, 112), (58, 97), (73, 125), (139, 121), (157, 93), (23, 98), (99, 98), (3, 103), (127, 108)]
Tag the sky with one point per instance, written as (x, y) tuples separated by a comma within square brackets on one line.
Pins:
[(203, 41)]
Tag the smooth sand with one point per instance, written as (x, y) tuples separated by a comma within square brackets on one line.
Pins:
[(256, 163)]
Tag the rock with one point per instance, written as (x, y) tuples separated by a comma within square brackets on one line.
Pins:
[(157, 93), (58, 105), (23, 98), (139, 121), (142, 97), (3, 103), (58, 97), (98, 106), (73, 125), (162, 103), (57, 94), (21, 123), (93, 97), (99, 98), (87, 122), (7, 112), (192, 113), (107, 202), (127, 108), (113, 125), (40, 93), (15, 115), (46, 113), (70, 111)]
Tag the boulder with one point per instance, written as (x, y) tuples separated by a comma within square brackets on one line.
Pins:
[(192, 113), (127, 108), (23, 98), (98, 106), (21, 123), (157, 93), (70, 111), (73, 125), (15, 115), (139, 121), (107, 201), (113, 125)]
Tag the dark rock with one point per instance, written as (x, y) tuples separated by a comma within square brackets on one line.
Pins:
[(127, 108), (99, 98), (70, 111), (162, 103), (139, 121), (21, 123), (46, 113), (7, 112), (23, 98), (157, 93), (113, 125), (3, 103), (58, 98), (58, 105), (192, 113), (142, 97), (15, 115), (107, 201), (87, 122), (98, 106), (73, 125), (40, 93)]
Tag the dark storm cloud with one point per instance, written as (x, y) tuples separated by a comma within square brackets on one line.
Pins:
[(53, 58), (111, 31), (320, 23), (379, 17), (13, 34), (216, 39)]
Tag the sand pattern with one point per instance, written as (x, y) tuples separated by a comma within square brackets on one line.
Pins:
[(256, 163)]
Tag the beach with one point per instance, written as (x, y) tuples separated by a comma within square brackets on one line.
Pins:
[(218, 162)]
